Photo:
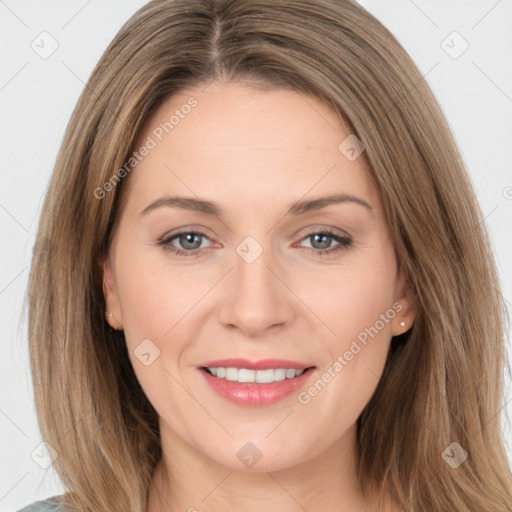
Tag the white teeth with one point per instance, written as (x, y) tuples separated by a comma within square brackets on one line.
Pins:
[(265, 376), (231, 374), (280, 374), (258, 376), (243, 375), (290, 374)]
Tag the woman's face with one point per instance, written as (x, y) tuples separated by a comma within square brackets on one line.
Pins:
[(271, 272)]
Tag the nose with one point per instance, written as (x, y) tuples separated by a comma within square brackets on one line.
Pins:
[(257, 297)]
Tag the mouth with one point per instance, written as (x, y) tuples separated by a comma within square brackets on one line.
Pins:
[(246, 375), (255, 383)]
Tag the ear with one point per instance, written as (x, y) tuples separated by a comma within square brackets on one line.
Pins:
[(405, 299), (113, 314)]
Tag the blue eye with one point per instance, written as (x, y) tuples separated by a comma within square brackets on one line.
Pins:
[(191, 242), (188, 239), (319, 237)]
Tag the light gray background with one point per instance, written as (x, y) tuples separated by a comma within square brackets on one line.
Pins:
[(38, 95)]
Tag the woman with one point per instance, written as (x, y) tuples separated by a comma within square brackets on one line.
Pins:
[(335, 341)]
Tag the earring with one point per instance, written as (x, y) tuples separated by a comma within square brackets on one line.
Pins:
[(109, 320), (402, 324)]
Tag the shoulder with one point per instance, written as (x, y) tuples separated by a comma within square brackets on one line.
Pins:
[(52, 504)]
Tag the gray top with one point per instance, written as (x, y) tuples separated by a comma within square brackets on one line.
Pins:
[(49, 505)]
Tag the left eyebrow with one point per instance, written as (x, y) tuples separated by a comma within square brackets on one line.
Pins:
[(211, 208), (301, 207)]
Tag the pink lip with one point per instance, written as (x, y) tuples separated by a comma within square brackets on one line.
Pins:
[(263, 364), (253, 394)]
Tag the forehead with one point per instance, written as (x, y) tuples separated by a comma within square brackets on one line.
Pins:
[(242, 142), (230, 116)]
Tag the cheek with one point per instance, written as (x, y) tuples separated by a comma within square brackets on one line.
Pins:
[(158, 320), (155, 298), (359, 310), (359, 305), (351, 298)]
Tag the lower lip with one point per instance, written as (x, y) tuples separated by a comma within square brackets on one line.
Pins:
[(252, 394)]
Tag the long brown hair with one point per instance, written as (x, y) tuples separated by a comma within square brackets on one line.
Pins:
[(443, 379)]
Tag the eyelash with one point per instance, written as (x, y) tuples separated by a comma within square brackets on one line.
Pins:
[(344, 242)]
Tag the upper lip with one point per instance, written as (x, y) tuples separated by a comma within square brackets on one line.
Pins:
[(262, 364)]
